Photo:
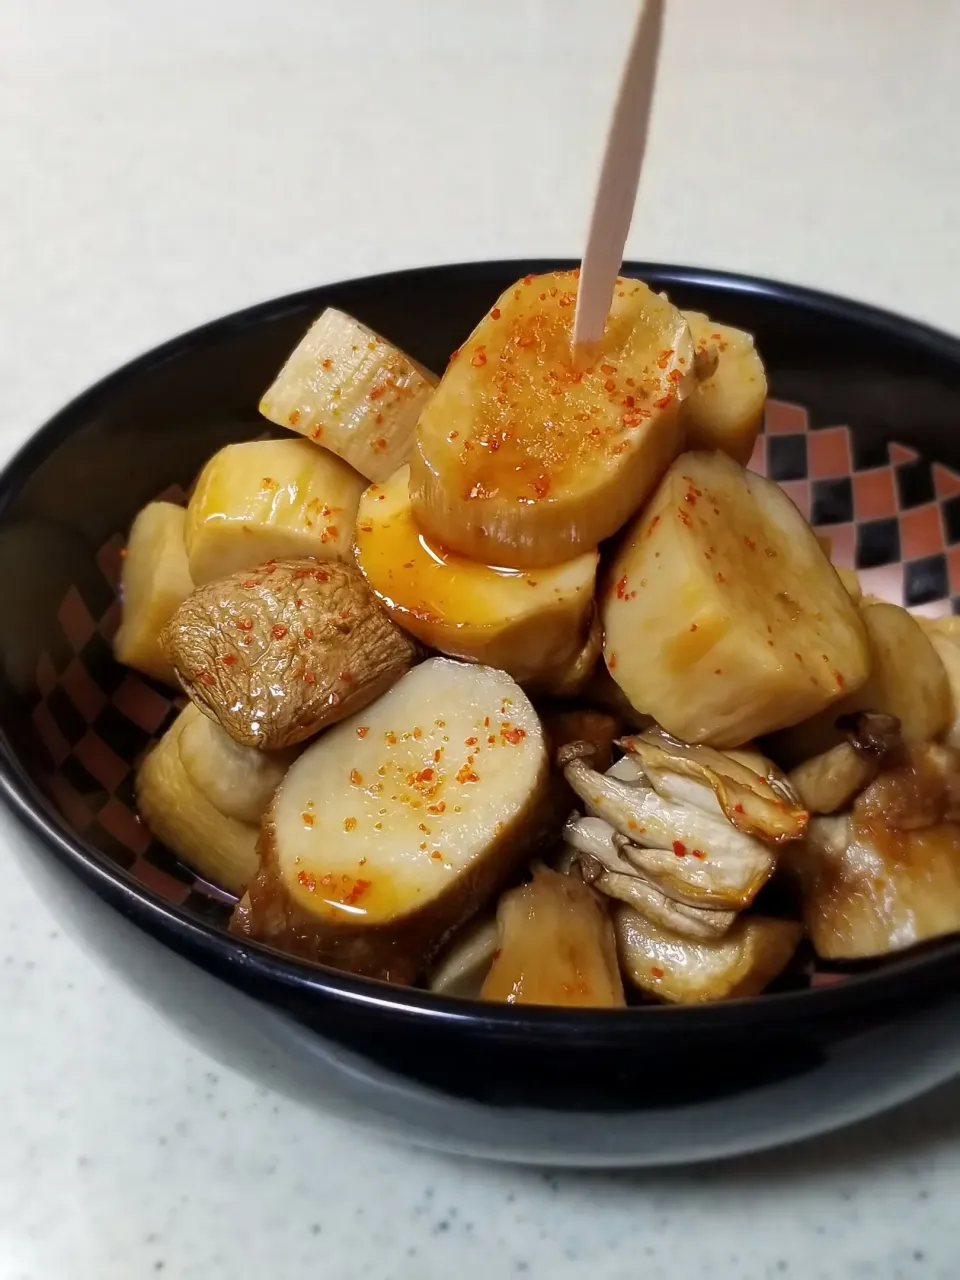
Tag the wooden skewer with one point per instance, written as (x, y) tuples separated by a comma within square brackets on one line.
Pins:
[(619, 178)]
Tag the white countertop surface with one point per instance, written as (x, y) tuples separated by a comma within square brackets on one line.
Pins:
[(163, 163)]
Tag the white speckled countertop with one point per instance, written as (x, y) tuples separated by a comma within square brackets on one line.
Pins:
[(163, 163)]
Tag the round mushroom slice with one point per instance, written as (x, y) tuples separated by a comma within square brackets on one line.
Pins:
[(396, 826)]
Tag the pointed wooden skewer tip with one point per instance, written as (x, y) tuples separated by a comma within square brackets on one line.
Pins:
[(619, 179)]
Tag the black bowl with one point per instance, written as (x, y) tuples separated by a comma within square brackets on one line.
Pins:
[(639, 1086)]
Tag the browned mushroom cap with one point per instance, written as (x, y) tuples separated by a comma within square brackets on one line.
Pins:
[(281, 651)]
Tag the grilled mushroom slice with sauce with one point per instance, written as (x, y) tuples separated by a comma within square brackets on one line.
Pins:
[(396, 826), (885, 876), (741, 963), (555, 946)]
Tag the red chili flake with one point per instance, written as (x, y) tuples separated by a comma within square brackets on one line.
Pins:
[(377, 392), (674, 375), (622, 588), (437, 856), (679, 848), (308, 633), (346, 677), (229, 659), (311, 678), (466, 774), (305, 879), (609, 385), (356, 777), (307, 819), (244, 624), (436, 808), (344, 613), (749, 543), (479, 358), (653, 524), (495, 313), (349, 824), (425, 775), (278, 632), (738, 808), (205, 677), (838, 676), (453, 354), (529, 280), (608, 368), (470, 742), (515, 736), (360, 887), (663, 401), (721, 578), (657, 971), (363, 730), (541, 486), (327, 364), (612, 662)]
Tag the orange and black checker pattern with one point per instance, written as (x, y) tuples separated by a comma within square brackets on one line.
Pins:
[(93, 723), (890, 514)]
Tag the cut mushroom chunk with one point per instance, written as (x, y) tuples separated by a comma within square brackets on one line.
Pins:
[(239, 781), (868, 890), (186, 820), (396, 826), (690, 855), (464, 965), (555, 946), (754, 952), (277, 653), (829, 781), (721, 784)]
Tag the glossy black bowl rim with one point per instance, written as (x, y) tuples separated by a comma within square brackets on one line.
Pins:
[(247, 963)]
